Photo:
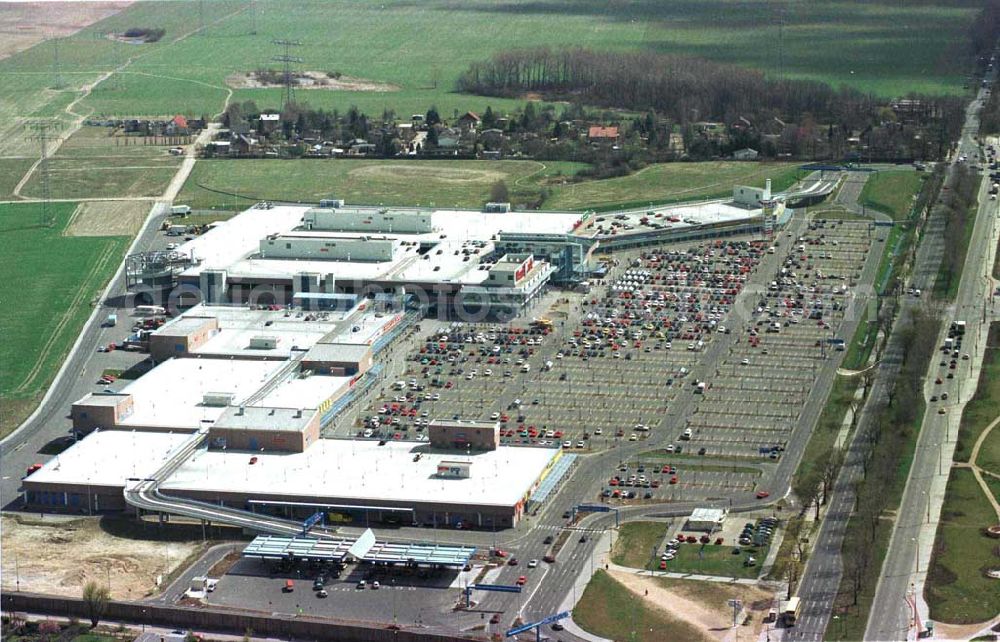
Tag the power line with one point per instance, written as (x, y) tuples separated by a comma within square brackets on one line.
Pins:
[(116, 76), (287, 60), (59, 82), (41, 128)]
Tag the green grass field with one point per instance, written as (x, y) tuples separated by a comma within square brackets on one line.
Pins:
[(635, 543), (49, 283), (716, 560), (461, 183), (889, 48), (608, 609), (892, 192), (669, 182), (957, 590), (93, 164), (443, 183)]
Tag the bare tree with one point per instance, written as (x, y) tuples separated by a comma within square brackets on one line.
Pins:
[(96, 597)]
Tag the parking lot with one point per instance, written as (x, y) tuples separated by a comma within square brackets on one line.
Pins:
[(625, 348), (754, 401), (604, 368)]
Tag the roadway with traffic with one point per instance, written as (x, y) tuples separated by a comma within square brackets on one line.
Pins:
[(908, 557)]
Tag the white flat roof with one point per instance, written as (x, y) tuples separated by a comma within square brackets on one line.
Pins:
[(299, 329), (109, 457), (704, 213), (364, 471), (234, 244), (171, 394), (303, 393)]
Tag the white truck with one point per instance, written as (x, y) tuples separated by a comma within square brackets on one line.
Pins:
[(111, 321), (180, 210)]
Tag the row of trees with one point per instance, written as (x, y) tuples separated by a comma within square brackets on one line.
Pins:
[(959, 202)]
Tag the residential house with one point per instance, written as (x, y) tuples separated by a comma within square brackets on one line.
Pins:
[(178, 126), (600, 134), (469, 122)]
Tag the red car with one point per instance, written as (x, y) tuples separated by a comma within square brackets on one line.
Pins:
[(521, 581), (763, 494), (253, 460)]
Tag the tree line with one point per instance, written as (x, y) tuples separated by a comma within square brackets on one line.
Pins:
[(686, 89)]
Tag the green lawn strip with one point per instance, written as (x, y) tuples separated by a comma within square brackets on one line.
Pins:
[(655, 459), (633, 547), (851, 620), (957, 590), (65, 274), (892, 192), (608, 609), (984, 406)]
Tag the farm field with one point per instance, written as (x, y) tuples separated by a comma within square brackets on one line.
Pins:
[(443, 183), (11, 171), (93, 164), (888, 48), (892, 192), (65, 274)]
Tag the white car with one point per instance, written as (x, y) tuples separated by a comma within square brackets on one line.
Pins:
[(745, 362), (598, 431), (495, 416), (567, 444), (533, 564)]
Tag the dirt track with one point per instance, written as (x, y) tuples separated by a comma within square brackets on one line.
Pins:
[(716, 620), (412, 171)]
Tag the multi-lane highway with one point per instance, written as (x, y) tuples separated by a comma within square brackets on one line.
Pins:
[(906, 561)]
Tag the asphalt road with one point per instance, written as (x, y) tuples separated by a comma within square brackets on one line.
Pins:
[(894, 614)]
